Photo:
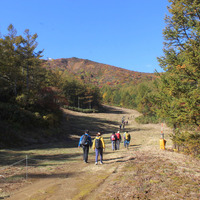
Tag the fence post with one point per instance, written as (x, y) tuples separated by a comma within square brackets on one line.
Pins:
[(26, 167)]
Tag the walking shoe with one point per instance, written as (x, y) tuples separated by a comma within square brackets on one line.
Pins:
[(101, 163), (96, 163)]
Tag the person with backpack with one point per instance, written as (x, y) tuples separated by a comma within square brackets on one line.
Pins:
[(113, 139), (127, 139), (118, 137), (85, 142), (98, 146)]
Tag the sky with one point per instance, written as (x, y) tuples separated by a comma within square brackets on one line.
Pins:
[(122, 33)]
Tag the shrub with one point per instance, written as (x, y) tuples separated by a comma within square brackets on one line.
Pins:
[(147, 119), (80, 109), (22, 100), (187, 142), (15, 114)]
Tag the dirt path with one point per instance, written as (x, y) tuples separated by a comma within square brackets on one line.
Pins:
[(142, 172)]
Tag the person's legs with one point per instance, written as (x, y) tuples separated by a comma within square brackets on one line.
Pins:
[(113, 145), (117, 144), (85, 153), (97, 154), (101, 155), (126, 144)]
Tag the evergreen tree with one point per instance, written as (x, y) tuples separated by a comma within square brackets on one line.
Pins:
[(10, 63), (31, 59), (179, 87)]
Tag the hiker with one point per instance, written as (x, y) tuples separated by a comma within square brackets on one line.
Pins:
[(123, 125), (127, 139), (118, 136), (98, 146), (85, 142), (113, 139)]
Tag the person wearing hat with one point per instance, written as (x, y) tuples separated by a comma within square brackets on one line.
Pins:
[(98, 146)]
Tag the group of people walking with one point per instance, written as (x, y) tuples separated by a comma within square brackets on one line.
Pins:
[(98, 144), (116, 140)]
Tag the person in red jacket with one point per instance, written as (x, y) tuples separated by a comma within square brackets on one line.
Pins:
[(113, 139), (118, 141)]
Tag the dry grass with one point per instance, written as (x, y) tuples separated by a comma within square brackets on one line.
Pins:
[(142, 172), (152, 177)]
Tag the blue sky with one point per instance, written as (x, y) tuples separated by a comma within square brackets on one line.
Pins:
[(122, 33)]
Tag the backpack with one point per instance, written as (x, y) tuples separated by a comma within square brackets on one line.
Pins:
[(85, 140), (98, 143), (113, 137), (127, 136), (118, 136)]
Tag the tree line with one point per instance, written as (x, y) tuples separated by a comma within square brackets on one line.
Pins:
[(178, 96), (31, 95), (174, 97)]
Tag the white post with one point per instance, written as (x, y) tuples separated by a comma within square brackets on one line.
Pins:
[(26, 167)]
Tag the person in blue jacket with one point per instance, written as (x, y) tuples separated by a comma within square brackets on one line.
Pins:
[(85, 142)]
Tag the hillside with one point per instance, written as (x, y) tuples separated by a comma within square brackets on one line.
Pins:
[(56, 171), (97, 73)]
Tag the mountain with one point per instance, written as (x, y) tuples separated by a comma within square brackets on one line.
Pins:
[(97, 73)]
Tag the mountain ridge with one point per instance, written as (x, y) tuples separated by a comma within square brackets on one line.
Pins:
[(97, 73)]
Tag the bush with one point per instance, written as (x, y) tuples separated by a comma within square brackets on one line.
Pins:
[(15, 114), (80, 109), (188, 142), (52, 119), (22, 100), (147, 119)]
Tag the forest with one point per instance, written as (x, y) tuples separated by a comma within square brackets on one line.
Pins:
[(31, 96)]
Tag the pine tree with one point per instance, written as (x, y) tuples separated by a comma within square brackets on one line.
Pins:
[(31, 59), (180, 84), (10, 62)]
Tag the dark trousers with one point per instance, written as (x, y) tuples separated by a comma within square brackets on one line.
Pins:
[(85, 153)]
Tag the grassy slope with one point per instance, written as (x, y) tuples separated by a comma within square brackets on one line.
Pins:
[(143, 172)]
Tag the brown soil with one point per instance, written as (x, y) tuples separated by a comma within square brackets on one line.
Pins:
[(142, 172)]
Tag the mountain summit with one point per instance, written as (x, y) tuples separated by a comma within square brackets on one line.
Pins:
[(97, 73)]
